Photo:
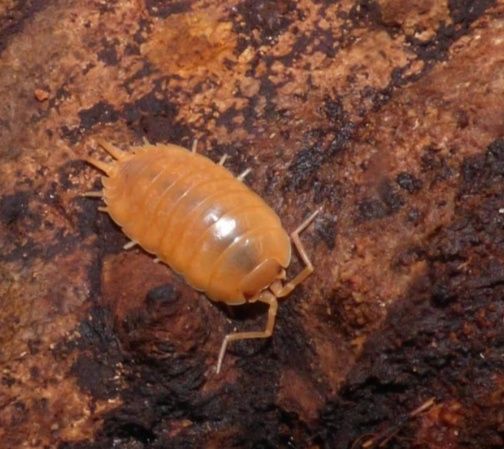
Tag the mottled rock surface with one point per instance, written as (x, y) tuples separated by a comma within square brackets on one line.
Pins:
[(389, 114)]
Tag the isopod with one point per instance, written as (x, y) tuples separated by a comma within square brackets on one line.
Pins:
[(204, 223)]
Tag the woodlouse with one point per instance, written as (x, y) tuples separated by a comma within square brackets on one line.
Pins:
[(204, 223)]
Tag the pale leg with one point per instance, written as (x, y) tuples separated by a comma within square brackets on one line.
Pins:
[(104, 167), (194, 147), (115, 152), (308, 269), (97, 194), (129, 245), (267, 298), (242, 175)]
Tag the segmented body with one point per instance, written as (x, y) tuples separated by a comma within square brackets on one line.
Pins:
[(195, 216)]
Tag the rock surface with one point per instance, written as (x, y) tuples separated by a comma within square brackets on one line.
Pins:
[(388, 114)]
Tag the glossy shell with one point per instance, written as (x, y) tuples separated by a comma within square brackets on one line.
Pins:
[(195, 216)]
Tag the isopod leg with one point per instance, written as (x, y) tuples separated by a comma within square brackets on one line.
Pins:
[(223, 159), (104, 167), (194, 147), (97, 194), (267, 298), (308, 269), (242, 175), (129, 245), (115, 152)]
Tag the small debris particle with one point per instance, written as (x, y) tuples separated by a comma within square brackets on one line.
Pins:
[(41, 94)]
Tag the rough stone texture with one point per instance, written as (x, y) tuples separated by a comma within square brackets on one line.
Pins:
[(389, 114)]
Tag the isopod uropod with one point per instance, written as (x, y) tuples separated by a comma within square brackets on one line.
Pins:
[(204, 223)]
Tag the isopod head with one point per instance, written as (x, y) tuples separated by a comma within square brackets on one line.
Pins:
[(260, 278)]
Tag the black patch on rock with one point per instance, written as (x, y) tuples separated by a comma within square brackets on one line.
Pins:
[(269, 17), (409, 182), (164, 8), (13, 207), (101, 112), (108, 53), (153, 116)]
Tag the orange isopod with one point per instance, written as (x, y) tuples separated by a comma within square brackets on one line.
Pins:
[(204, 223)]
